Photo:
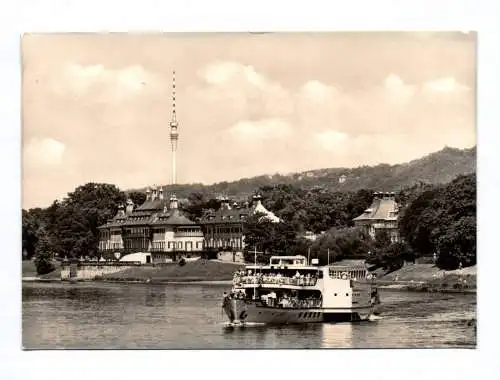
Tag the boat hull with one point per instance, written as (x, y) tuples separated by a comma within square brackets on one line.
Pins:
[(240, 311)]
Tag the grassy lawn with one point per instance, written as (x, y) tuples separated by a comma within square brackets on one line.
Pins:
[(200, 270), (28, 269), (431, 274)]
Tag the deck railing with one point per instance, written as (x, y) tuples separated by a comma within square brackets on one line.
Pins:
[(293, 304), (273, 280)]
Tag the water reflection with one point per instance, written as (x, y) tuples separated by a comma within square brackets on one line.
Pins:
[(337, 335), (155, 296)]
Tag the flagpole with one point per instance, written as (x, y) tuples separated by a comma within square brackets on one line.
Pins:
[(308, 256), (328, 256), (255, 271)]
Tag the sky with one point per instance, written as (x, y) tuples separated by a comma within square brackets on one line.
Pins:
[(97, 107)]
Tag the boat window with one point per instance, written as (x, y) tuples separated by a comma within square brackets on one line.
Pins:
[(335, 294), (347, 294), (300, 315)]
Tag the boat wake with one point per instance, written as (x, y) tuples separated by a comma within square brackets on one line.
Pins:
[(241, 324), (374, 317)]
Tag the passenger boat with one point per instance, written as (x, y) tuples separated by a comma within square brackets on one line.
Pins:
[(289, 290)]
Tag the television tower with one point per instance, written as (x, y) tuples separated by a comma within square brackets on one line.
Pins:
[(174, 135)]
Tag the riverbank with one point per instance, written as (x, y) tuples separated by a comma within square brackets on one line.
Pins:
[(429, 278), (412, 277), (206, 271)]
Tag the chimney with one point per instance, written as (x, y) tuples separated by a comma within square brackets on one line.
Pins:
[(257, 199), (173, 202), (154, 193), (224, 203), (121, 210), (130, 207), (160, 193), (148, 194)]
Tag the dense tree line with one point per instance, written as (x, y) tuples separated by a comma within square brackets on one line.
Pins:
[(442, 221), (434, 220), (68, 228), (436, 168), (437, 220)]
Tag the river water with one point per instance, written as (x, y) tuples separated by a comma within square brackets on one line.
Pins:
[(187, 316)]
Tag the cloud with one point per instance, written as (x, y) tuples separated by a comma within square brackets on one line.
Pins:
[(260, 130), (44, 152), (444, 85), (316, 114), (317, 91), (330, 139), (111, 85), (220, 73), (397, 91)]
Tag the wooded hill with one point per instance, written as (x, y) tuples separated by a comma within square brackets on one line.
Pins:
[(436, 168)]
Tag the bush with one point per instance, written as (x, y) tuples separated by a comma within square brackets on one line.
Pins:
[(182, 262), (43, 264)]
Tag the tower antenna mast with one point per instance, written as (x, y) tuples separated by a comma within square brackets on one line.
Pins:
[(174, 134)]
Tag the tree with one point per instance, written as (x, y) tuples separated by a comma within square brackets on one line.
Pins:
[(43, 254), (419, 220), (73, 222), (31, 223), (138, 197), (349, 243), (457, 245), (392, 256), (357, 203), (268, 237), (198, 204)]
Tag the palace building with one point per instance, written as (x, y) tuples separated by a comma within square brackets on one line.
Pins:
[(154, 232), (382, 215), (223, 229)]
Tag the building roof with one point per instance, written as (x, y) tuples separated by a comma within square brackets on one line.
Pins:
[(153, 205), (383, 207), (223, 215), (174, 217), (228, 215), (259, 208), (151, 212)]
